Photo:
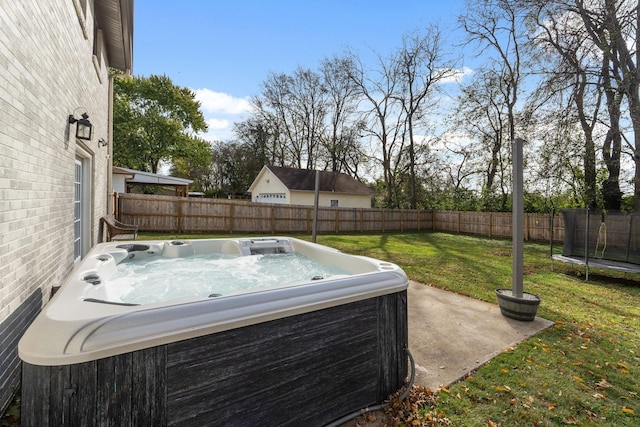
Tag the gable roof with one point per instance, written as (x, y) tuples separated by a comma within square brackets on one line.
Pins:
[(305, 180)]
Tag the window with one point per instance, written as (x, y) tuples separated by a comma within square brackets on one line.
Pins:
[(82, 205), (98, 43), (81, 11), (272, 198), (334, 203), (77, 213)]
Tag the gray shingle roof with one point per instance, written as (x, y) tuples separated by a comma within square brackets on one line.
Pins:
[(304, 180)]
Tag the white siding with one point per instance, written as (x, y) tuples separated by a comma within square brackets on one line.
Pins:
[(269, 189), (344, 200)]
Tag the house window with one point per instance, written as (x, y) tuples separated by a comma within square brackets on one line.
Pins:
[(81, 11), (272, 198), (82, 205), (334, 203), (77, 214), (98, 43)]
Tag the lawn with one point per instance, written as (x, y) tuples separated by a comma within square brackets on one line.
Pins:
[(583, 371)]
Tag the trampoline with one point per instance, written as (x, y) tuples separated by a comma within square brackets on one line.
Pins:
[(609, 241)]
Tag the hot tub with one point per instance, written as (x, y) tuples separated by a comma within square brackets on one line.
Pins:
[(326, 338)]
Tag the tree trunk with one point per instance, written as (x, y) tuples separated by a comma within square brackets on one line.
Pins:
[(612, 148)]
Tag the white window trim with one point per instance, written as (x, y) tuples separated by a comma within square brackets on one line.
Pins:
[(84, 155)]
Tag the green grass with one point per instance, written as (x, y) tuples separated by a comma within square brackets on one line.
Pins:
[(583, 371)]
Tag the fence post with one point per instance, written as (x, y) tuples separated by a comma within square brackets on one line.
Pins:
[(273, 220), (231, 212), (384, 219), (180, 216), (490, 224)]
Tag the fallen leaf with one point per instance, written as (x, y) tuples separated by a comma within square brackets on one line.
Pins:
[(551, 406), (491, 423), (599, 396), (505, 371), (570, 420), (628, 410), (603, 384)]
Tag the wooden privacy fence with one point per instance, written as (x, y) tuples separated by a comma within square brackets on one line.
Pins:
[(170, 214)]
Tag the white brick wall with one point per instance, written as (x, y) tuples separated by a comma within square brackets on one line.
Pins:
[(46, 73)]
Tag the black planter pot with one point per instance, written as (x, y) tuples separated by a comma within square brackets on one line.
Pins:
[(524, 308)]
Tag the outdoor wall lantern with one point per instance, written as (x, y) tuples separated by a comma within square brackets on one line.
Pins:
[(84, 127)]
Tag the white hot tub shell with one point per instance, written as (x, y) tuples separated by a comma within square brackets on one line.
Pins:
[(81, 329)]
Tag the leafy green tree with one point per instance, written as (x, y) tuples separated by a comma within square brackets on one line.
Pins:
[(154, 121), (193, 161)]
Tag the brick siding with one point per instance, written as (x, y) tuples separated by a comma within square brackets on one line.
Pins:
[(47, 71)]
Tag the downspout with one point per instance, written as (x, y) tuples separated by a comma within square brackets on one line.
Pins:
[(110, 204)]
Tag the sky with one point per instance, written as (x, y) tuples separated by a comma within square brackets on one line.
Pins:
[(224, 50)]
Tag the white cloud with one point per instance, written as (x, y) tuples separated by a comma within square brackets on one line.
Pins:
[(221, 103), (221, 111), (458, 75), (214, 123)]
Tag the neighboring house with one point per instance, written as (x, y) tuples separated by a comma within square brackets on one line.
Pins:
[(125, 180), (55, 61), (297, 187)]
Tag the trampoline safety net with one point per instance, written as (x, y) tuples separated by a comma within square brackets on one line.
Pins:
[(611, 236)]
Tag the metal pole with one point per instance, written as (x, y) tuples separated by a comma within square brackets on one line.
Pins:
[(518, 220), (314, 228), (586, 245), (552, 221)]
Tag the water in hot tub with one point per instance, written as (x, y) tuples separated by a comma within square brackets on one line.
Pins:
[(161, 279)]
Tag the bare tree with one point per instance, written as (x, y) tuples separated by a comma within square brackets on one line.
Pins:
[(341, 146), (383, 117), (421, 65), (496, 26), (572, 82), (295, 107), (259, 133), (614, 28), (482, 113)]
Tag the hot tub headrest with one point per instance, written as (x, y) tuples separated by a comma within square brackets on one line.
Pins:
[(265, 246)]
